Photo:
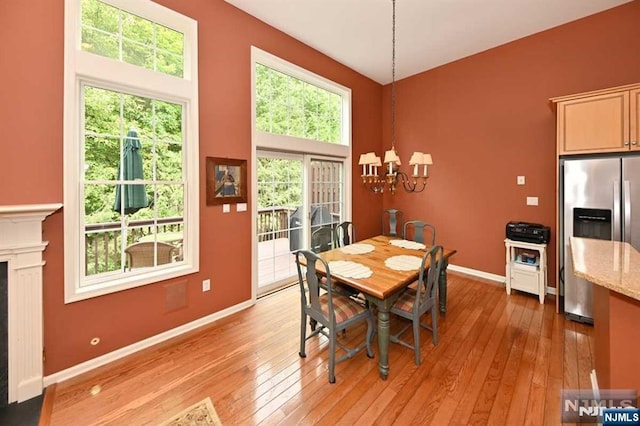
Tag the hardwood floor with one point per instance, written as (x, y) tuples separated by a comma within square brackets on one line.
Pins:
[(500, 360)]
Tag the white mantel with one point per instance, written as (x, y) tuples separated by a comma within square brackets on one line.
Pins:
[(21, 246)]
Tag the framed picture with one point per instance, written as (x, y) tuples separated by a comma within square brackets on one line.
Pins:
[(226, 181)]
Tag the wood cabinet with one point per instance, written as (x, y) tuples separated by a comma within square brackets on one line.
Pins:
[(601, 121)]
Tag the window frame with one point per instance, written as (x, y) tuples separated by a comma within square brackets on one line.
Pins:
[(85, 68), (264, 141)]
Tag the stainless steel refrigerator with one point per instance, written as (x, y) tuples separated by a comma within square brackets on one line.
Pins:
[(600, 198)]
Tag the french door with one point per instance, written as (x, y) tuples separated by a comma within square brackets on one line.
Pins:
[(296, 194)]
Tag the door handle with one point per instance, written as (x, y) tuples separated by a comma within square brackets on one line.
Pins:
[(627, 212)]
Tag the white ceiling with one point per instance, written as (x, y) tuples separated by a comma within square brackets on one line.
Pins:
[(429, 33)]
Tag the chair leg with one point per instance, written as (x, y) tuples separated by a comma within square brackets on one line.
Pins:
[(416, 339), (332, 355), (303, 335), (434, 324)]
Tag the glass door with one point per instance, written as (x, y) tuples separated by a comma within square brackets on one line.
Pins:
[(297, 194)]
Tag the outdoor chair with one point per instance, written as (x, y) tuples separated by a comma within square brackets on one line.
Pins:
[(344, 234), (333, 312), (420, 232), (322, 239), (415, 302), (140, 255), (391, 222)]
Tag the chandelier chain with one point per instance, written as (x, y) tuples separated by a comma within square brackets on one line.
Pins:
[(393, 77)]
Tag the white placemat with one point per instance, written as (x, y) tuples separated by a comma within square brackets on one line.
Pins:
[(412, 245), (348, 269), (357, 248), (403, 262)]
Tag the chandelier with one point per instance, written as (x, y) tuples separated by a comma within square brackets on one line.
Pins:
[(390, 173)]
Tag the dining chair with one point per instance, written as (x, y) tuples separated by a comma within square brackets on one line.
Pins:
[(333, 312), (322, 239), (344, 234), (419, 231), (413, 303), (141, 254), (390, 222)]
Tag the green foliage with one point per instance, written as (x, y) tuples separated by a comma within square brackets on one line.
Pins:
[(279, 183), (289, 106)]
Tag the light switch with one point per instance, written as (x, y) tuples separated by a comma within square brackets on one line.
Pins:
[(241, 207), (226, 208), (532, 201), (520, 180)]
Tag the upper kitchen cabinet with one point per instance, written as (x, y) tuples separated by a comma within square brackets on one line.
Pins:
[(601, 121)]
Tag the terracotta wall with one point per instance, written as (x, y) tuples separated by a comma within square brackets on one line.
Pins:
[(31, 164), (486, 119)]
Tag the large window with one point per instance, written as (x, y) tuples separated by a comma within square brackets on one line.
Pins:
[(131, 146), (301, 137)]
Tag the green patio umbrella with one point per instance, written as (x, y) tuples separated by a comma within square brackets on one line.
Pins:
[(135, 196)]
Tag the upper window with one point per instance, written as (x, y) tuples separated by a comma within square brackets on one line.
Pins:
[(291, 102), (131, 146)]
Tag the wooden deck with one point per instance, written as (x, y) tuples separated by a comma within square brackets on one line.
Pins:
[(275, 261), (500, 360)]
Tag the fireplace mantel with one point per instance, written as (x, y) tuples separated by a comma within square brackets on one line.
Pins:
[(21, 246)]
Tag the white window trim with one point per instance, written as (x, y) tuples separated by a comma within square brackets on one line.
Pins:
[(321, 150), (83, 67)]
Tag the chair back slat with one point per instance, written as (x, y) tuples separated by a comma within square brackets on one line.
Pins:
[(420, 232), (345, 234)]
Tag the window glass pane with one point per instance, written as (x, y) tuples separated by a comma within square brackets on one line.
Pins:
[(168, 161), (101, 157), (286, 105), (117, 34), (103, 250)]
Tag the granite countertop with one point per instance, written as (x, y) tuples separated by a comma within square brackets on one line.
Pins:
[(610, 264)]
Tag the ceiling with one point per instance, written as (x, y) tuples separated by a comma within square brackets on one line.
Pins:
[(429, 33)]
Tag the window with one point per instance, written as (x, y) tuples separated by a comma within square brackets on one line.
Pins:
[(131, 146), (301, 144)]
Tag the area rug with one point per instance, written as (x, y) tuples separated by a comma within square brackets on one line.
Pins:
[(201, 413)]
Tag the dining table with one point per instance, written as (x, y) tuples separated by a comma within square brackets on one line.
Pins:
[(385, 283)]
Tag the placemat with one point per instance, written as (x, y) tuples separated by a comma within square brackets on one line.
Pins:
[(348, 269), (412, 245), (403, 262), (357, 248)]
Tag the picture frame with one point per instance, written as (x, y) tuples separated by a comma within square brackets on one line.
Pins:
[(226, 181)]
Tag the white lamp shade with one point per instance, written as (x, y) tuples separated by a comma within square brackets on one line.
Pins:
[(371, 158), (377, 162), (363, 160), (416, 158), (391, 156), (427, 159)]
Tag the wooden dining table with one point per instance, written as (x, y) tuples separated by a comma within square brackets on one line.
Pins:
[(385, 285)]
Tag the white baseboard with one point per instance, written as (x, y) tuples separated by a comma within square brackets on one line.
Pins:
[(143, 344), (476, 273), (488, 276)]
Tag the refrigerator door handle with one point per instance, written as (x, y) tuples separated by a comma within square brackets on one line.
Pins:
[(616, 210), (627, 211)]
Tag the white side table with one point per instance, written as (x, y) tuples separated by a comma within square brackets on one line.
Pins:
[(524, 277)]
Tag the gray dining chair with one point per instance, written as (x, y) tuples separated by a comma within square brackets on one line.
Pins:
[(419, 231), (391, 222), (413, 303), (331, 311), (344, 234)]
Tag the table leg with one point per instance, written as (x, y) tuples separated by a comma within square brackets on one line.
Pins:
[(442, 287), (383, 331)]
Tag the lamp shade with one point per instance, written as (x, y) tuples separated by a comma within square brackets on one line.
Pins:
[(427, 159), (391, 156), (363, 160), (416, 158)]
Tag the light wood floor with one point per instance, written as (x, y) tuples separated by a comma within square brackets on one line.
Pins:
[(500, 360)]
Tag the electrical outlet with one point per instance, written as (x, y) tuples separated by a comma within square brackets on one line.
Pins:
[(206, 285)]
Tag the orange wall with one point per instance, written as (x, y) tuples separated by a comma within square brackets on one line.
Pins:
[(31, 163), (486, 119)]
